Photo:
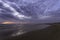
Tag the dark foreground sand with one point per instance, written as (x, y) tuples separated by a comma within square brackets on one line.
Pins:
[(50, 33)]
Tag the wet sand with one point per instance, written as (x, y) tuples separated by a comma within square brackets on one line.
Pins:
[(49, 33)]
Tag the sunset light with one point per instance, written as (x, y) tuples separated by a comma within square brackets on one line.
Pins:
[(8, 22)]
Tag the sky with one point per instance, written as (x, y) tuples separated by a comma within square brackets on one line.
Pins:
[(33, 10)]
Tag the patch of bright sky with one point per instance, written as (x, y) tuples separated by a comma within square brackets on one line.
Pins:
[(56, 6), (53, 5)]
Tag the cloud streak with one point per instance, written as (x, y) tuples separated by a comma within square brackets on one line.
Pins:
[(14, 12), (32, 10)]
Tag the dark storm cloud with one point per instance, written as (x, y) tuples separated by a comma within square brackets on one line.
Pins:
[(40, 10), (5, 16)]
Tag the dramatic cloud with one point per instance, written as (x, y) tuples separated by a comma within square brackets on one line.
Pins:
[(30, 10)]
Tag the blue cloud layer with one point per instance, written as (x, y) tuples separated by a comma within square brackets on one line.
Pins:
[(44, 11)]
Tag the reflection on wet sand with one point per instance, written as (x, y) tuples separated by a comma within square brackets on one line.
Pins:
[(30, 31)]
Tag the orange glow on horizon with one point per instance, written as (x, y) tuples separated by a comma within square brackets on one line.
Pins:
[(8, 23)]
